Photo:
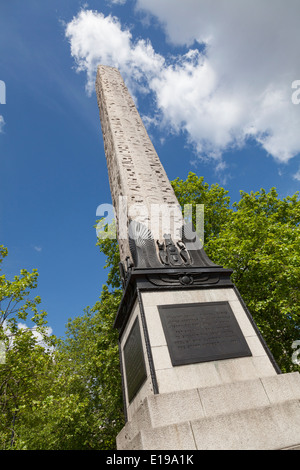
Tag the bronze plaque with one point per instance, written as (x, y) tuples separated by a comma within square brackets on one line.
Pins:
[(135, 368), (202, 332)]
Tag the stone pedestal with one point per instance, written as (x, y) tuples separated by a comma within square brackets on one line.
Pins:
[(258, 414), (217, 403)]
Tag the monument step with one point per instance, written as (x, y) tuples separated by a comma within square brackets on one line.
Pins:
[(271, 427), (187, 418)]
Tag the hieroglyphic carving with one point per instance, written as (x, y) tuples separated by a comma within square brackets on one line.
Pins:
[(134, 168)]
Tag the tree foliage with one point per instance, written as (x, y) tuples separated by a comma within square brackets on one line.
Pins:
[(214, 198), (25, 367), (83, 409), (92, 346), (58, 394), (260, 241)]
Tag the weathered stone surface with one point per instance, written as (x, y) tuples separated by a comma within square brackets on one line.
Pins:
[(264, 428), (134, 168), (245, 415)]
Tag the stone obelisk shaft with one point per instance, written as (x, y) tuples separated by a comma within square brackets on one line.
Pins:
[(134, 168)]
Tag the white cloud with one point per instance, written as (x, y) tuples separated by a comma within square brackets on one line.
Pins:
[(251, 60), (235, 86), (97, 39), (117, 2), (296, 176), (37, 248)]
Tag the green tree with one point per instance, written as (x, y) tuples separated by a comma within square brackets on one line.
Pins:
[(24, 369), (58, 394), (260, 241), (214, 198), (92, 348), (79, 406)]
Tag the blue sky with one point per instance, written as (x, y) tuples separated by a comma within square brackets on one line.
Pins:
[(212, 83)]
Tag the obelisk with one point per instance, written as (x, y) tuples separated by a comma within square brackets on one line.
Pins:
[(196, 371), (134, 169)]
